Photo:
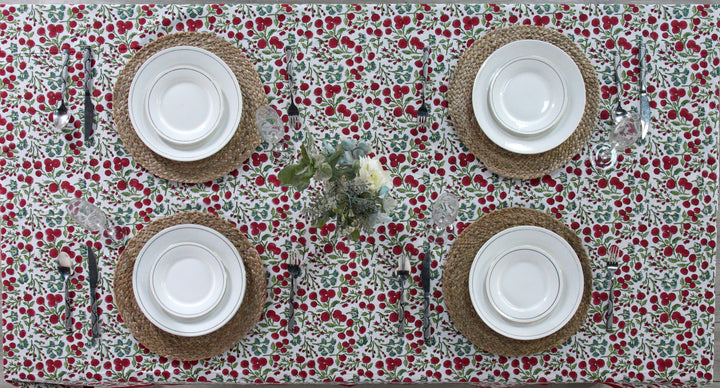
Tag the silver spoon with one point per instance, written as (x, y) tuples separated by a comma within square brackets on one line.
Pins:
[(64, 267), (62, 115), (619, 114)]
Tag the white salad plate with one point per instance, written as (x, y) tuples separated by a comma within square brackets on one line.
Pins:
[(523, 284), (184, 105), (527, 96), (498, 251), (524, 58), (185, 264), (150, 79), (147, 271)]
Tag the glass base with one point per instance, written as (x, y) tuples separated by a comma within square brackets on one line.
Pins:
[(603, 157)]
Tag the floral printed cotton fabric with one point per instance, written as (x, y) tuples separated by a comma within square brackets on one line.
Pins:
[(357, 76)]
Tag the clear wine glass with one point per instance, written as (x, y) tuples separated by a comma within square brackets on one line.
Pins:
[(444, 211), (270, 127), (93, 219), (604, 156)]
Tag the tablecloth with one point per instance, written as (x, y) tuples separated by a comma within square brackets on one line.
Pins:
[(357, 76)]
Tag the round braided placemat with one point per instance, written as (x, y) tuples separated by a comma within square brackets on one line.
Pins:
[(496, 158), (456, 274), (246, 137), (190, 348)]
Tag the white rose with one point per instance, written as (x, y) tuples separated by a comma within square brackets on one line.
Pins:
[(372, 173)]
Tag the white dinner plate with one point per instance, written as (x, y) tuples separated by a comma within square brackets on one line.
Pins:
[(527, 95), (214, 67), (227, 254), (186, 264), (546, 140), (567, 262), (184, 105), (523, 283)]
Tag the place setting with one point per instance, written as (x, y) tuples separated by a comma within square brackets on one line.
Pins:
[(524, 100), (90, 217), (517, 282), (180, 283), (189, 286), (185, 107)]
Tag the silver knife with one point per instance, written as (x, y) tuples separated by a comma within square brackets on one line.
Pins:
[(644, 102), (93, 279), (425, 280), (89, 108)]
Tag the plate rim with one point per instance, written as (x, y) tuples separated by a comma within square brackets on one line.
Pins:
[(232, 121), (240, 276), (574, 305)]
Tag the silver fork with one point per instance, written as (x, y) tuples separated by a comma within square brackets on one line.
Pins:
[(293, 112), (402, 272), (293, 261), (423, 112), (619, 113), (611, 266)]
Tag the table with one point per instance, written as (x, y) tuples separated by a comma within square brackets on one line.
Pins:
[(357, 75)]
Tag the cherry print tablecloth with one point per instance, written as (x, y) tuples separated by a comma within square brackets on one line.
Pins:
[(357, 75)]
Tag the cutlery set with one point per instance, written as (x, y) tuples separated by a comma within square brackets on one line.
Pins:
[(620, 114), (443, 214), (92, 218), (62, 115), (626, 139), (64, 264)]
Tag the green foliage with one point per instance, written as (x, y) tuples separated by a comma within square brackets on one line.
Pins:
[(349, 202)]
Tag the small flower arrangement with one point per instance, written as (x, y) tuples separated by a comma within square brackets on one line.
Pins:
[(356, 192)]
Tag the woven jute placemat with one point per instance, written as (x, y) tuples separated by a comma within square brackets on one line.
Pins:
[(190, 348), (496, 158), (456, 276), (240, 147)]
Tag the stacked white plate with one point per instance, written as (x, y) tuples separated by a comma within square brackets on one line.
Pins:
[(189, 280), (528, 96), (526, 282), (185, 103)]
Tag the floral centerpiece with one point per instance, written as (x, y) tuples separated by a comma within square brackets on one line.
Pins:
[(356, 193)]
